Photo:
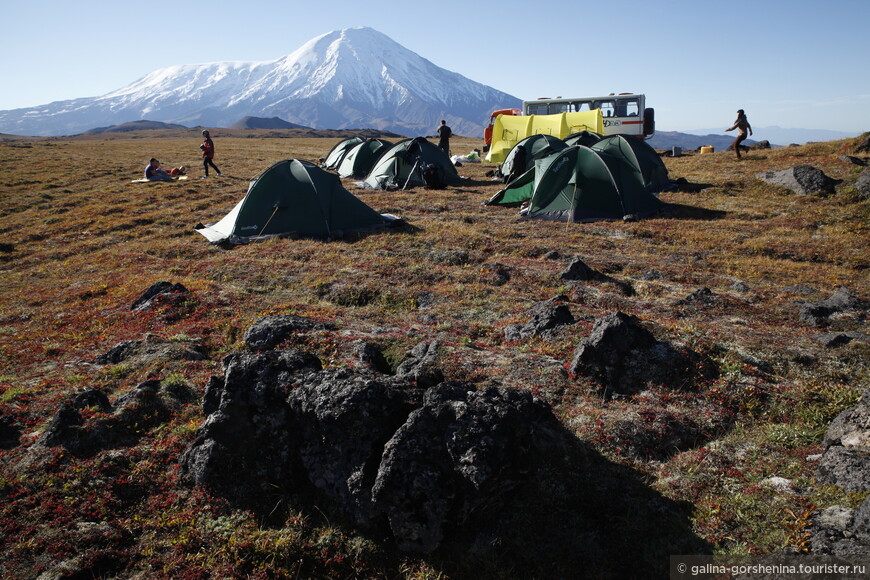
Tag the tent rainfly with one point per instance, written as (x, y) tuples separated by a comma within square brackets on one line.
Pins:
[(360, 159), (640, 156), (407, 164), (295, 197), (526, 152), (338, 152)]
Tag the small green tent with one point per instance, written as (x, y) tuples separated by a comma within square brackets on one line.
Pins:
[(639, 155), (339, 151), (525, 152), (408, 164), (362, 157), (579, 184), (295, 197)]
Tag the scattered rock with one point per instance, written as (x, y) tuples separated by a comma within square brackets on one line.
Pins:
[(456, 454), (650, 275), (624, 358), (10, 434), (121, 424), (802, 179), (864, 146), (145, 301), (421, 365), (578, 271), (496, 274), (837, 339), (739, 287), (840, 531), (344, 421), (380, 451), (269, 331), (547, 316), (853, 160), (764, 144), (821, 313), (862, 185), (701, 296), (369, 356), (149, 350), (779, 484), (846, 459)]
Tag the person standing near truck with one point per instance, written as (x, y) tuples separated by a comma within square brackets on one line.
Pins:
[(207, 148), (742, 125)]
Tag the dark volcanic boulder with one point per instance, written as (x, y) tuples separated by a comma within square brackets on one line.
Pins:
[(121, 424), (269, 331), (624, 357), (846, 460), (247, 447), (145, 301), (802, 179), (344, 421), (10, 434), (578, 271), (546, 317), (862, 185), (456, 454), (421, 365), (841, 302)]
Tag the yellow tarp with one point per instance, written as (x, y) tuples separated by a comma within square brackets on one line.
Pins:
[(508, 130)]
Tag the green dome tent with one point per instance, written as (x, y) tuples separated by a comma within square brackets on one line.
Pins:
[(520, 158), (295, 197), (339, 151), (640, 155), (360, 159), (404, 164), (579, 184)]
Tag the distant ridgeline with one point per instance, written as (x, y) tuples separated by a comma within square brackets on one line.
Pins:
[(671, 139)]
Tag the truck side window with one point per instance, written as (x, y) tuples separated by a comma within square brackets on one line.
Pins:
[(607, 108)]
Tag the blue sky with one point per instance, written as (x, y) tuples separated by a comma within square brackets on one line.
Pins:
[(791, 63)]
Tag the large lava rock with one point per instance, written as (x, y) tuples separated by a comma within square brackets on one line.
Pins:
[(380, 450), (846, 460), (802, 179), (247, 448)]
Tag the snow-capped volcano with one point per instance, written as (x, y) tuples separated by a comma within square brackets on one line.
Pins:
[(353, 78)]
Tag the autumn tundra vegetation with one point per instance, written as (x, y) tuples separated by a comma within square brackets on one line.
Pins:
[(91, 478)]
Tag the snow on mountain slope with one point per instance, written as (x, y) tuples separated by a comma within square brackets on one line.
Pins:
[(353, 78)]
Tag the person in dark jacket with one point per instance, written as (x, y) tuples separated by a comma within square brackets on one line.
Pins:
[(444, 134), (207, 148), (153, 172)]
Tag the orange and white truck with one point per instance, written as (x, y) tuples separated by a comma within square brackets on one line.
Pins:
[(623, 113)]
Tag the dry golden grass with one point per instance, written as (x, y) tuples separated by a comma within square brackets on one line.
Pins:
[(82, 243)]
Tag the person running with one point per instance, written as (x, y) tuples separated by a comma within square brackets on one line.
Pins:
[(742, 125), (444, 134), (208, 153)]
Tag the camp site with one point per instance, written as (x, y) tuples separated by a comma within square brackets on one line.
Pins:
[(169, 351)]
